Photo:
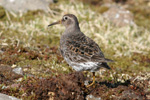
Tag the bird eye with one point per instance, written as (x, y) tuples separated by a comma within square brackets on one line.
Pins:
[(65, 18)]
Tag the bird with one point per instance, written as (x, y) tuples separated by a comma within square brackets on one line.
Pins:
[(78, 50)]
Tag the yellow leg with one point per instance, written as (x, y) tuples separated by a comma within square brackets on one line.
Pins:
[(93, 80)]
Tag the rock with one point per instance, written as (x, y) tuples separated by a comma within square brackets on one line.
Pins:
[(91, 97), (18, 71), (6, 97), (25, 5), (129, 95), (7, 75), (119, 16)]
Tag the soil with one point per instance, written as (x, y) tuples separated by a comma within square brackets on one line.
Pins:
[(64, 86), (71, 87)]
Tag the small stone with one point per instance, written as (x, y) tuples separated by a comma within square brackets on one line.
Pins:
[(86, 82), (13, 66), (91, 97), (18, 71), (19, 80), (23, 6), (4, 87), (6, 97)]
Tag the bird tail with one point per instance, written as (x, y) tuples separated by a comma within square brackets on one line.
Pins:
[(105, 65)]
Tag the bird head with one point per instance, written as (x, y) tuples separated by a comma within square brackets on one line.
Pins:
[(68, 20)]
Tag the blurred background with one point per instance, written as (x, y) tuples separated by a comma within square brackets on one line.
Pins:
[(28, 48)]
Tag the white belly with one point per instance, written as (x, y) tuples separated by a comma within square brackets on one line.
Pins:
[(87, 66)]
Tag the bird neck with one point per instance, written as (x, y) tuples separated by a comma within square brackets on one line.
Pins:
[(72, 29)]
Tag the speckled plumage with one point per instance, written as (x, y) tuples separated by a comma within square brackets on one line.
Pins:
[(79, 51)]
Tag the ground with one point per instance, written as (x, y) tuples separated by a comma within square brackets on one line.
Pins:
[(26, 42)]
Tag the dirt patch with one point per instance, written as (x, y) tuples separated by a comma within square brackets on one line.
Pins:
[(14, 54), (71, 87), (63, 86)]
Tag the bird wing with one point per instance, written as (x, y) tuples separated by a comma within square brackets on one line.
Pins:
[(81, 48)]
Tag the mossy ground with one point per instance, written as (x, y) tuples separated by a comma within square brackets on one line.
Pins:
[(27, 42)]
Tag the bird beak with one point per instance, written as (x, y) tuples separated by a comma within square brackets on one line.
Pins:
[(58, 22)]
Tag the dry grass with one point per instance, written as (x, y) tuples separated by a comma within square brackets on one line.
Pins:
[(123, 40), (117, 43)]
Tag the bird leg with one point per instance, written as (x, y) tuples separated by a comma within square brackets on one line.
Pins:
[(93, 80)]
